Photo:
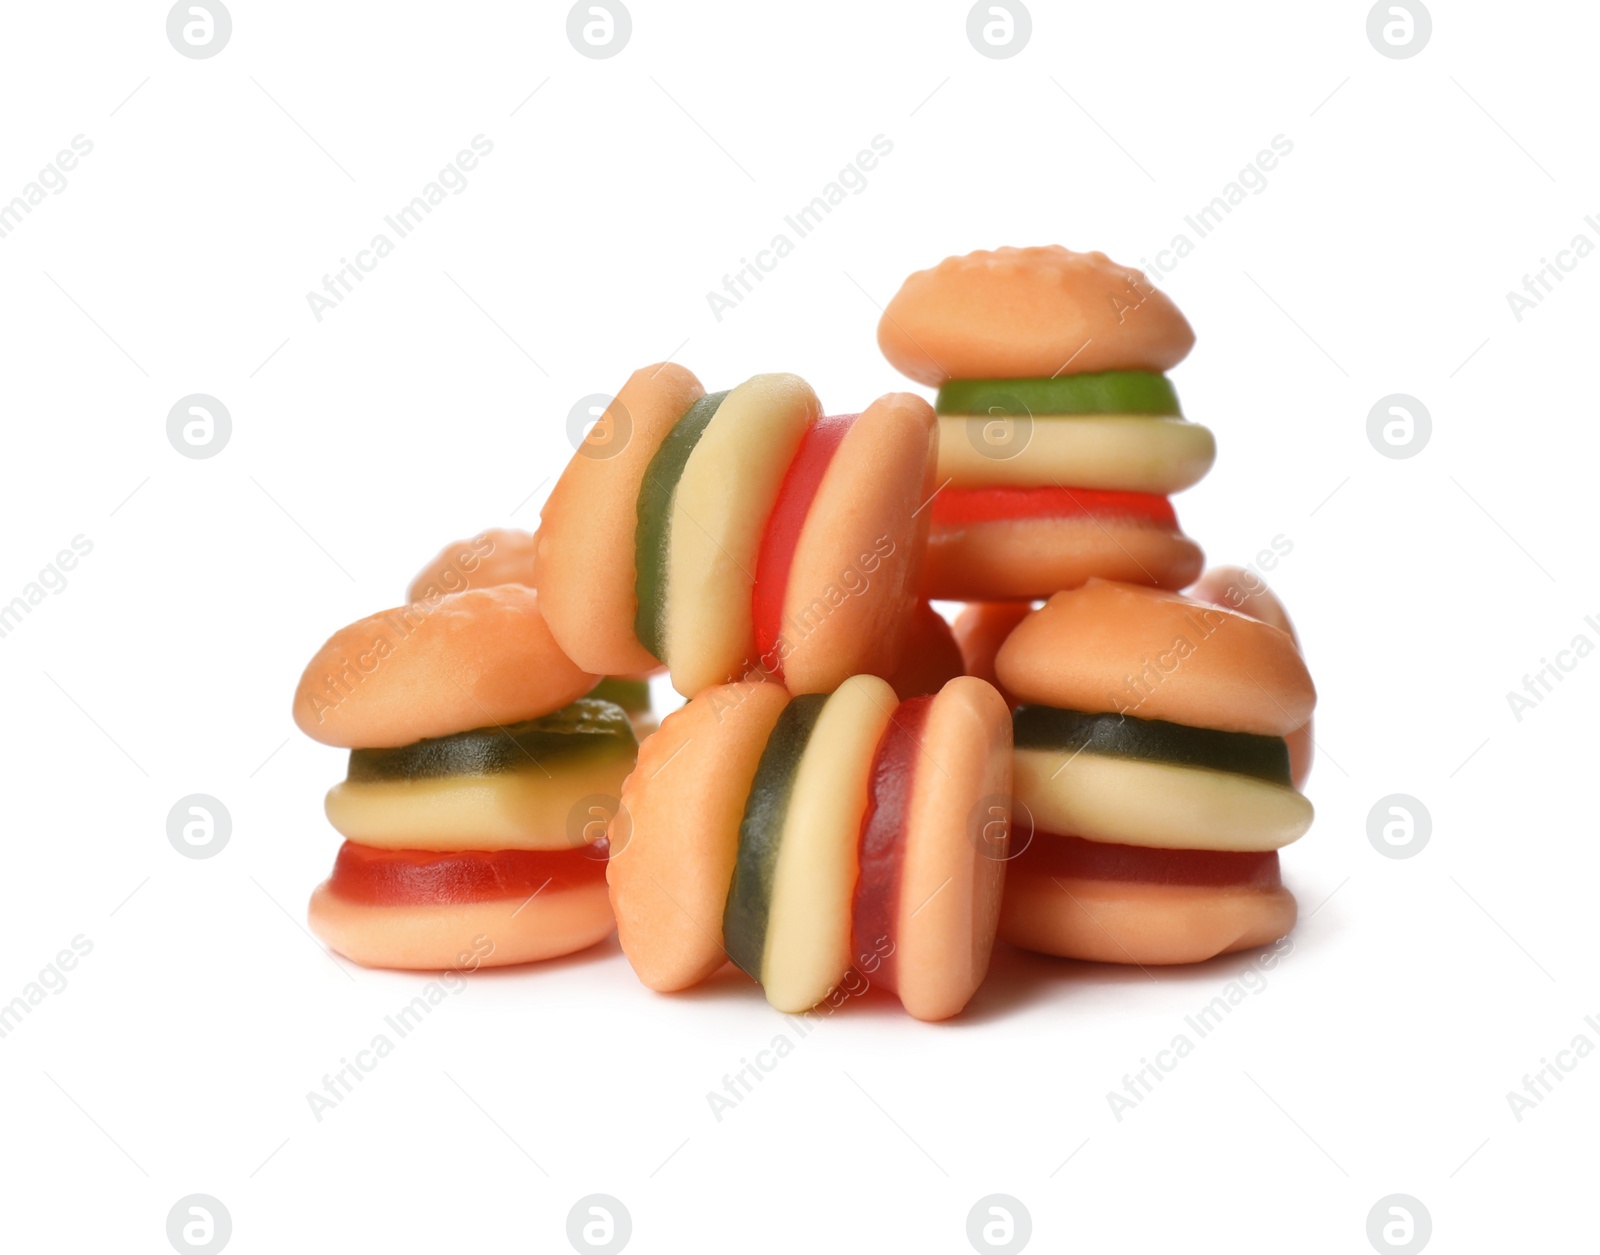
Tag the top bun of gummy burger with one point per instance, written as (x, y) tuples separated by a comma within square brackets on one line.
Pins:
[(470, 660), (1109, 647), (1030, 313)]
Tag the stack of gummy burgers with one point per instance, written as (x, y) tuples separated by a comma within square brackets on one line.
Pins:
[(832, 807), (1154, 781)]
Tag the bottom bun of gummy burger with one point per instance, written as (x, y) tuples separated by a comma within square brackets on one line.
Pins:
[(1128, 904), (927, 896), (426, 910), (1001, 544)]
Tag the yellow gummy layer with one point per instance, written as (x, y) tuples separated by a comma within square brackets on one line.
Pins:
[(1130, 801), (527, 809), (807, 949), (719, 512), (1109, 452)]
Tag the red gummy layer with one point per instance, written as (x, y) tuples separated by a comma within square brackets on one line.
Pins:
[(363, 873), (881, 855), (990, 505), (784, 524), (1051, 855)]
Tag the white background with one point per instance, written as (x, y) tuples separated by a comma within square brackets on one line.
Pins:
[(432, 403)]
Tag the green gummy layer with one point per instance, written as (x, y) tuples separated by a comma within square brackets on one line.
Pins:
[(653, 534), (632, 695), (1107, 392), (744, 917), (587, 728), (1122, 736)]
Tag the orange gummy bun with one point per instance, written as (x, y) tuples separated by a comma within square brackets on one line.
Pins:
[(1026, 313), (472, 659)]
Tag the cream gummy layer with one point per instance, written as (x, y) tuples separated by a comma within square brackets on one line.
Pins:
[(526, 809), (1114, 452), (510, 787), (719, 512), (1130, 801), (807, 948)]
